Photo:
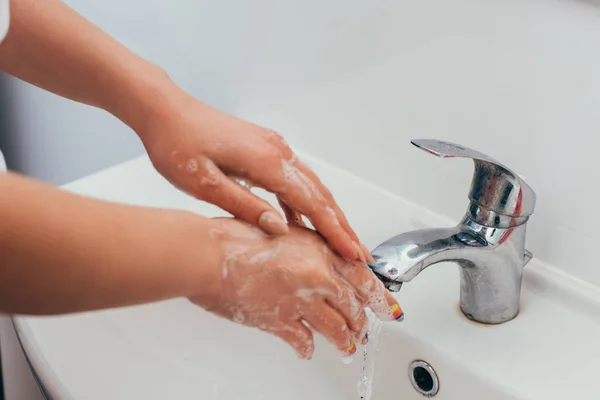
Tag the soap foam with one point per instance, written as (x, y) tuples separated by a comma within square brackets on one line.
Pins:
[(210, 174), (192, 166)]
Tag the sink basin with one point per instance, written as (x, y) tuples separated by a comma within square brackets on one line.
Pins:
[(174, 350)]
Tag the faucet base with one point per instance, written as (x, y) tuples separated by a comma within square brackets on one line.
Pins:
[(489, 322), (490, 292)]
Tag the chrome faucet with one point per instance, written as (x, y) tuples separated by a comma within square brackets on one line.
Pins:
[(488, 244)]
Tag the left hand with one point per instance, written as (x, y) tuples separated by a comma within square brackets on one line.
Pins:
[(291, 285), (199, 148)]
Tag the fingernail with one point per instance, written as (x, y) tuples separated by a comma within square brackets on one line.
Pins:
[(303, 356), (367, 253), (272, 223), (365, 339), (397, 313), (352, 349), (306, 352), (360, 253)]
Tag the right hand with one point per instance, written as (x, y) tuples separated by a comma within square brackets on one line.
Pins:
[(198, 148), (286, 285)]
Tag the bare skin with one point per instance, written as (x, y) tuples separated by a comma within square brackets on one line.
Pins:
[(61, 253), (189, 142), (115, 255)]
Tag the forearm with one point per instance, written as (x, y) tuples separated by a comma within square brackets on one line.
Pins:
[(63, 253), (53, 47)]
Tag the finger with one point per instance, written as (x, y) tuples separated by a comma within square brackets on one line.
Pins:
[(361, 254), (293, 218), (305, 169), (368, 254), (350, 306), (305, 198), (279, 142), (322, 218), (302, 196), (332, 325), (298, 336), (215, 187), (280, 176), (370, 289), (363, 251)]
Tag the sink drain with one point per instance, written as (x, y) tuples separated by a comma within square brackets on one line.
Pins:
[(423, 378)]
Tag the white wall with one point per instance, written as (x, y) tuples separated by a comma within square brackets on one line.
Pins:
[(352, 81), (519, 80)]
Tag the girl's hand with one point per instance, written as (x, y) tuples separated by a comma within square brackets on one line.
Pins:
[(199, 149), (291, 284)]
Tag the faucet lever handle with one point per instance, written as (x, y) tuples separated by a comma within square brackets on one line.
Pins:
[(496, 192)]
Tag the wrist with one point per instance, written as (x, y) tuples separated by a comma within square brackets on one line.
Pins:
[(143, 92), (211, 287), (197, 257)]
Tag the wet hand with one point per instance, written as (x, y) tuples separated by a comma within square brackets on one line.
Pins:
[(291, 285), (199, 149)]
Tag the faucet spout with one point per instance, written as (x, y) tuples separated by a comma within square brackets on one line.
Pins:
[(404, 256), (490, 263)]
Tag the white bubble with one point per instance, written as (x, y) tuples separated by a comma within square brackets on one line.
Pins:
[(347, 359), (192, 166)]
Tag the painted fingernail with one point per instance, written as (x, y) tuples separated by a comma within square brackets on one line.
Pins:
[(397, 313), (365, 339), (367, 253), (352, 349), (360, 253), (272, 223)]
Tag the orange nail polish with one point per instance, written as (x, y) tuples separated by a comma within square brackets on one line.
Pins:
[(352, 349), (397, 313)]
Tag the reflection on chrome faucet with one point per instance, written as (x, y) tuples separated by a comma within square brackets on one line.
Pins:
[(488, 244)]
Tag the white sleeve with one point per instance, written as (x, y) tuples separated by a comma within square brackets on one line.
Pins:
[(2, 163)]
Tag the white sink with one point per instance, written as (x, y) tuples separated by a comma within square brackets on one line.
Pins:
[(174, 350)]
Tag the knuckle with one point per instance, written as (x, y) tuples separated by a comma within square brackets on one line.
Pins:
[(314, 279), (271, 155), (271, 136), (317, 209), (206, 174), (275, 138)]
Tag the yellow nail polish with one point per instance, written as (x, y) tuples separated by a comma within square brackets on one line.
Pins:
[(397, 313), (352, 349)]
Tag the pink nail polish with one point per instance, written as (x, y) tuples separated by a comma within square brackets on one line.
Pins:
[(272, 223)]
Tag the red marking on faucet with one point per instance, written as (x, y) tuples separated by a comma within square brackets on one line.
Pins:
[(517, 211)]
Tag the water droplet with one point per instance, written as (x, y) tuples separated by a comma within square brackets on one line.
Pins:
[(347, 359)]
